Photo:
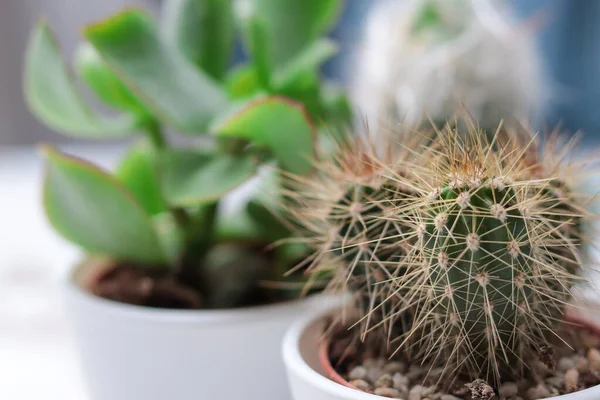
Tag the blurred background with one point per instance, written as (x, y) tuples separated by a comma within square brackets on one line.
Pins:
[(568, 38), (36, 360)]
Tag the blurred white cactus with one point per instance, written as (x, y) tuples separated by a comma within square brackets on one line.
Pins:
[(440, 57)]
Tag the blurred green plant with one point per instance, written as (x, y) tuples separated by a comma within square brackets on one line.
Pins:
[(160, 210)]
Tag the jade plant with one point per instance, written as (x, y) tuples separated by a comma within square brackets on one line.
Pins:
[(466, 249), (162, 217)]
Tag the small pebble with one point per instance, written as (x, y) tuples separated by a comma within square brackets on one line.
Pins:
[(361, 385), (480, 389), (582, 364), (384, 381), (508, 389), (540, 368), (571, 380), (523, 385), (449, 397), (387, 392), (593, 357), (590, 339), (461, 391), (414, 371), (565, 364), (402, 389), (373, 362), (556, 381), (359, 372), (394, 366), (538, 392), (415, 392), (426, 391), (399, 380), (373, 373)]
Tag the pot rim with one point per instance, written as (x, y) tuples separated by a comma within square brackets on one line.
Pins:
[(294, 360), (75, 293)]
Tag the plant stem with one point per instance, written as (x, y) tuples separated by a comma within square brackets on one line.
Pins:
[(156, 136), (185, 268), (198, 241)]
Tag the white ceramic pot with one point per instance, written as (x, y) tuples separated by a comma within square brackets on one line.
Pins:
[(131, 352), (308, 380)]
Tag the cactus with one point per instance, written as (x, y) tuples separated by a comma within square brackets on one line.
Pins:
[(487, 251), (345, 212), (439, 57)]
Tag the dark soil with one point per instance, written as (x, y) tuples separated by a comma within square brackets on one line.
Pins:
[(143, 288)]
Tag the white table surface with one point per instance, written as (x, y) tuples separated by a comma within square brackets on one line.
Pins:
[(37, 360)]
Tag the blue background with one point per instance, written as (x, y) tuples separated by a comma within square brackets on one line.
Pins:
[(569, 43)]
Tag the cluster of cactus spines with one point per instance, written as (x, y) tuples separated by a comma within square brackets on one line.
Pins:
[(473, 243), (346, 211), (495, 267)]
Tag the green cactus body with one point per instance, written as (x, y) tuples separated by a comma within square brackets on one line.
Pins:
[(369, 244), (478, 248), (364, 231), (347, 211), (496, 260)]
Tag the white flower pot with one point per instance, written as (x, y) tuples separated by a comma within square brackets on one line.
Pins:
[(308, 380), (131, 352)]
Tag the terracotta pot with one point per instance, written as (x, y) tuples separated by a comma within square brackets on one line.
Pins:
[(329, 370), (132, 352), (312, 377)]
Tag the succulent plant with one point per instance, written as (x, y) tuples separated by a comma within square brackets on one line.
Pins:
[(485, 248), (162, 211), (442, 58)]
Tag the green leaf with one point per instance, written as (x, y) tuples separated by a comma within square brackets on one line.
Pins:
[(160, 75), (52, 95), (270, 225), (107, 86), (203, 31), (306, 90), (428, 17), (338, 111), (237, 226), (300, 81), (191, 178), (308, 60), (170, 234), (138, 172), (256, 40), (291, 24), (242, 82), (278, 124), (90, 208)]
